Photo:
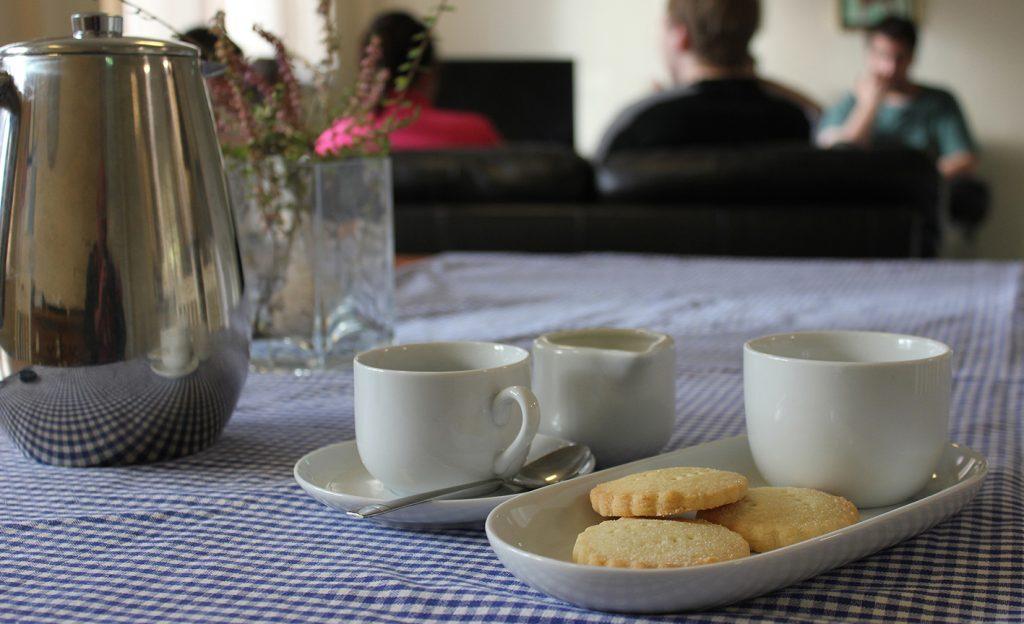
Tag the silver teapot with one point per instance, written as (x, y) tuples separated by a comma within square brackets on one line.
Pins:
[(124, 333)]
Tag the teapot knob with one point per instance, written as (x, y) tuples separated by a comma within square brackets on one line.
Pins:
[(89, 25)]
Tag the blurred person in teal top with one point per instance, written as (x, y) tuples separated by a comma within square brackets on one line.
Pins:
[(886, 108)]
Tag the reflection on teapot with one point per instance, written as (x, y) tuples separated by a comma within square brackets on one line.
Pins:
[(123, 328)]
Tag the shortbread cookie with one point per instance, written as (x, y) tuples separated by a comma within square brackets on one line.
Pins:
[(650, 543), (667, 492), (773, 517)]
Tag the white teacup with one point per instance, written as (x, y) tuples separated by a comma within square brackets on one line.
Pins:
[(438, 414), (860, 414), (611, 389)]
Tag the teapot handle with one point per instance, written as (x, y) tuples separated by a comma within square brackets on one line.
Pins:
[(9, 128)]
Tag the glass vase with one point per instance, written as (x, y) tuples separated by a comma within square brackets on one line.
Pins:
[(317, 248)]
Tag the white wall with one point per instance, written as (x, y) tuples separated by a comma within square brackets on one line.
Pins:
[(295, 21), (32, 19)]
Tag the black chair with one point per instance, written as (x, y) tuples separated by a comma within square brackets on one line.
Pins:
[(776, 200)]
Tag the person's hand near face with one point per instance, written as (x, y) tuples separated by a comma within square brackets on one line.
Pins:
[(886, 73), (871, 88)]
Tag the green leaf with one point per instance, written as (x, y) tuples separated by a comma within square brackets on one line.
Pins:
[(404, 67)]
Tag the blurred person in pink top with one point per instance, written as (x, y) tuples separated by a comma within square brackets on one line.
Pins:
[(433, 128)]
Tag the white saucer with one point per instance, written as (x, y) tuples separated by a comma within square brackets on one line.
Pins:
[(335, 476)]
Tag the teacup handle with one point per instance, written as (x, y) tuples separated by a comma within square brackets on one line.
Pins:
[(511, 459)]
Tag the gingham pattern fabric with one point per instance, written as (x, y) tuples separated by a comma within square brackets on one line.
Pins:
[(227, 535), (121, 413)]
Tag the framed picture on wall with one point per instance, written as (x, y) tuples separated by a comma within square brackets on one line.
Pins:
[(856, 14)]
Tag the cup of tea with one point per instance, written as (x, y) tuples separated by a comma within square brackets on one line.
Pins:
[(610, 389), (863, 415), (438, 414)]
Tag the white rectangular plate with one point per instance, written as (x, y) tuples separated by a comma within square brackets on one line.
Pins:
[(533, 535)]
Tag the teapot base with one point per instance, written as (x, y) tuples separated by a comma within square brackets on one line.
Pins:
[(137, 411)]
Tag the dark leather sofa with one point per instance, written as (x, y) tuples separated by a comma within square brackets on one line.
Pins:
[(768, 200)]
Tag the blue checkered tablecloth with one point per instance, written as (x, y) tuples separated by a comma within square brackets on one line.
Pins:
[(227, 535)]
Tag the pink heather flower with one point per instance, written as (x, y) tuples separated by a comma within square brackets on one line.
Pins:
[(343, 134)]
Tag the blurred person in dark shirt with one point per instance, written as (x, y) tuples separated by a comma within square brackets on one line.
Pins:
[(717, 97)]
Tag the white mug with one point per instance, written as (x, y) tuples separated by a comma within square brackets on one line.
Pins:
[(863, 415), (611, 389), (438, 414)]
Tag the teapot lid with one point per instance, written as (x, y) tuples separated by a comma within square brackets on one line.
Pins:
[(98, 33)]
